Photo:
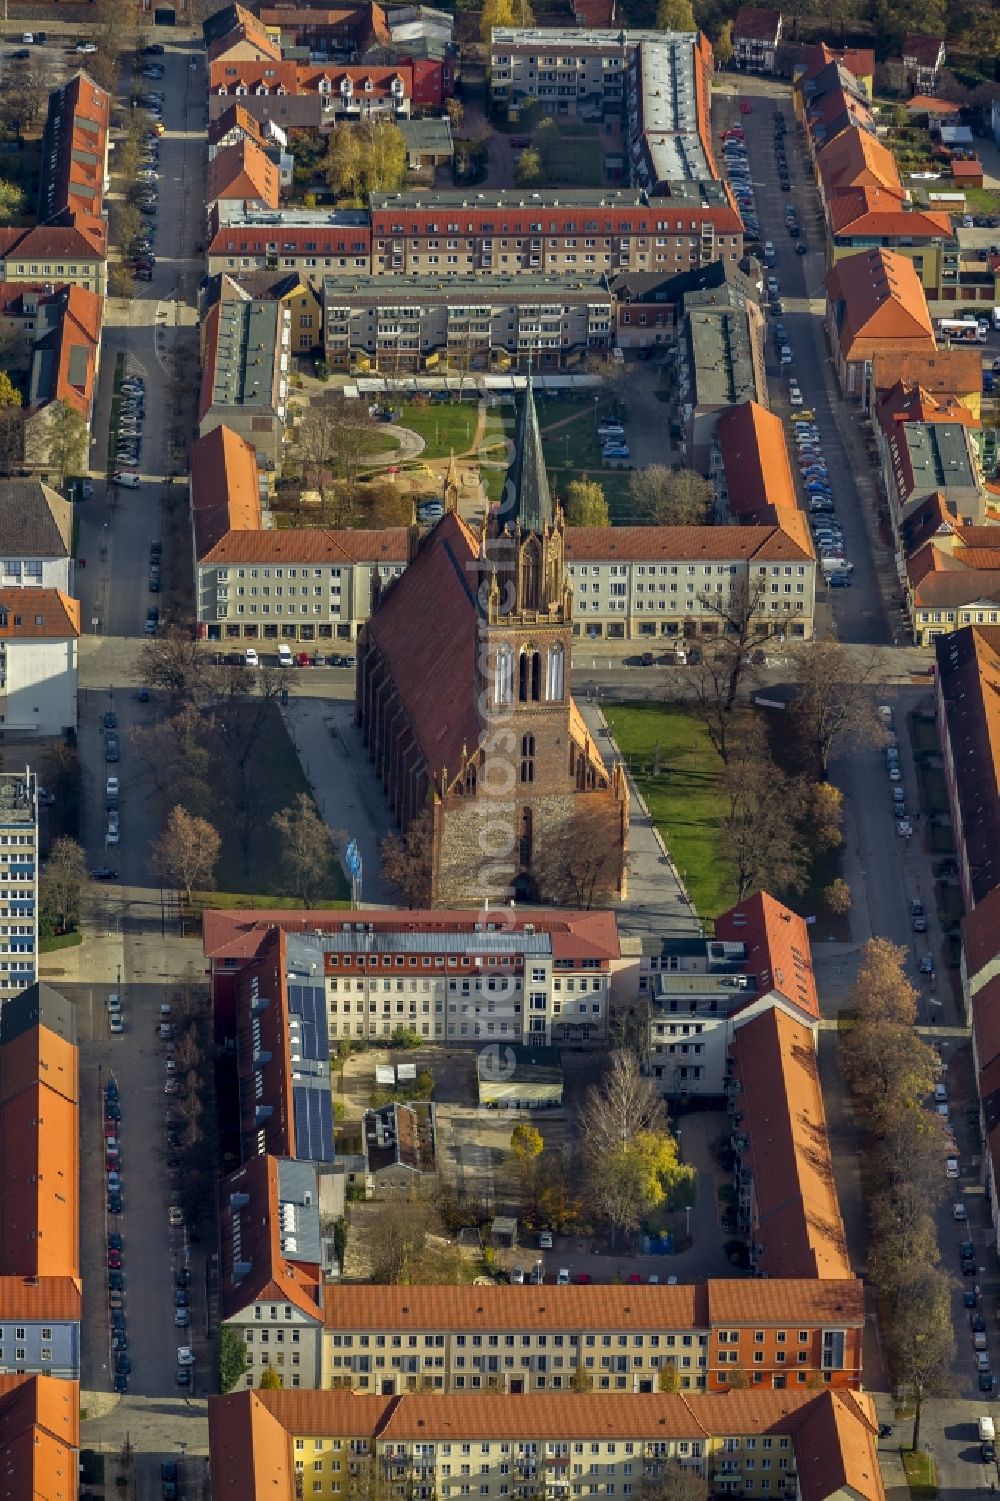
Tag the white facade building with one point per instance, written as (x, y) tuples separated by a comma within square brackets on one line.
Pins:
[(39, 636), (18, 882)]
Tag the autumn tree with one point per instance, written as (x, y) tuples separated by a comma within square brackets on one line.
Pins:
[(826, 815), (669, 497), (723, 45), (61, 887), (364, 157), (586, 504), (11, 439), (245, 721), (837, 897), (11, 202), (886, 1063), (187, 851), (406, 860), (624, 1103), (675, 15), (627, 1184), (306, 847), (503, 13), (668, 1480), (269, 1381), (526, 1145), (761, 838), (398, 1236), (668, 1377), (24, 91), (121, 282), (455, 110), (922, 1339), (836, 704), (60, 440), (528, 168), (10, 396)]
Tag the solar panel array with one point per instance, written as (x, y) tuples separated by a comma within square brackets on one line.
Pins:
[(313, 1123), (308, 1003)]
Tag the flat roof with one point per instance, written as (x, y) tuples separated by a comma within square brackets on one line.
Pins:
[(245, 353), (232, 214), (939, 455), (666, 98), (723, 370), (380, 289), (17, 797)]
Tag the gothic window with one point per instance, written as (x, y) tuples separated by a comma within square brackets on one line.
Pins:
[(530, 576), (555, 673), (530, 676), (503, 690), (527, 758)]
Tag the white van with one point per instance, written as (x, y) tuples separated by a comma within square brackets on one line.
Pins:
[(835, 565), (127, 477), (987, 1431), (284, 655)]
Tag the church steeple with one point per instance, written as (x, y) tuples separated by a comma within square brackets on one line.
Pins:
[(452, 485), (527, 500)]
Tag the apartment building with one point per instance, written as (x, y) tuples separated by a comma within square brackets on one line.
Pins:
[(36, 537), (313, 242), (472, 322), (750, 467), (40, 1436), (536, 978), (700, 990), (39, 636), (63, 370), (819, 1446), (40, 1289), (669, 83), (926, 446), (720, 365), (787, 1335), (243, 173), (756, 34), (18, 882), (570, 72), (304, 585), (966, 687), (639, 582), (245, 371), (874, 304), (341, 92)]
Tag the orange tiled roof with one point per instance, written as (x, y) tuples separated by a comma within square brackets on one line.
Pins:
[(877, 301), (797, 1209), (39, 614), (38, 1299), (876, 211), (929, 104), (225, 488), (251, 1450), (778, 948), (242, 171), (273, 1276), (955, 371), (311, 545), (857, 159), (39, 1438), (755, 456)]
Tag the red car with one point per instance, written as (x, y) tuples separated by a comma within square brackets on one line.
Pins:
[(744, 106), (583, 1278), (114, 1261), (303, 659), (634, 1277)]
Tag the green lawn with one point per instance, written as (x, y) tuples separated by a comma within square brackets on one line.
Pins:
[(446, 427), (982, 200), (933, 789), (571, 155), (379, 442), (683, 799), (923, 735), (921, 1476), (60, 941)]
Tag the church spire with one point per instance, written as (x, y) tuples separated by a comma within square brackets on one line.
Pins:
[(533, 502), (452, 487)]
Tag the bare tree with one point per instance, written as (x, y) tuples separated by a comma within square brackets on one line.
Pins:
[(837, 700), (333, 437), (671, 1481), (175, 662), (580, 864), (244, 722), (922, 1339), (61, 888), (761, 839), (406, 860), (306, 846), (624, 1103), (670, 497), (187, 851)]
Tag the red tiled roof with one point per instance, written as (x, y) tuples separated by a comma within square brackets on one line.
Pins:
[(778, 949), (878, 301), (930, 105), (290, 77), (236, 117), (963, 166), (954, 371), (311, 545), (924, 50), (755, 456), (855, 159), (38, 614), (225, 489), (874, 211), (755, 23), (251, 1450), (986, 1011), (60, 242), (981, 933), (777, 543), (797, 1211), (242, 171), (860, 61)]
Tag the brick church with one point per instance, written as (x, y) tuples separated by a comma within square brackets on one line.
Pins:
[(463, 702)]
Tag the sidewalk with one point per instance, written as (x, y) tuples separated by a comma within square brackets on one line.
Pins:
[(347, 791)]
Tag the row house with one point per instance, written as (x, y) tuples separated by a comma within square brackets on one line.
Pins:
[(64, 364), (663, 582), (54, 253), (468, 322), (351, 92), (451, 977), (720, 363), (926, 447), (751, 468), (700, 990), (304, 586), (953, 579), (802, 1447)]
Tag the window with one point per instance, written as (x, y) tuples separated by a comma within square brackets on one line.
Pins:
[(504, 683), (555, 673), (527, 758), (530, 675)]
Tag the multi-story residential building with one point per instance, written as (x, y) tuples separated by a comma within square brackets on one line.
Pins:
[(339, 30), (472, 321), (570, 72), (18, 882), (300, 298), (649, 305), (668, 87), (39, 634), (923, 59), (64, 365), (926, 445), (756, 34), (966, 688), (245, 371), (784, 1334), (809, 1446), (313, 242), (828, 97), (53, 253), (750, 467), (955, 374), (256, 583), (701, 989), (857, 62), (584, 231), (244, 174), (953, 581), (721, 365), (40, 1436), (636, 582), (40, 1289), (36, 537), (875, 304), (341, 92), (981, 932), (534, 978)]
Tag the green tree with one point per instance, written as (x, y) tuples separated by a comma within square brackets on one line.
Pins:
[(629, 1184), (306, 847), (61, 887), (675, 15), (11, 202), (526, 1144), (586, 504), (528, 168), (724, 45), (232, 1359), (121, 283), (63, 439), (10, 396), (270, 1381), (667, 1378)]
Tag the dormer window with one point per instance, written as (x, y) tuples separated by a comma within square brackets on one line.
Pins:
[(368, 85), (346, 87)]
